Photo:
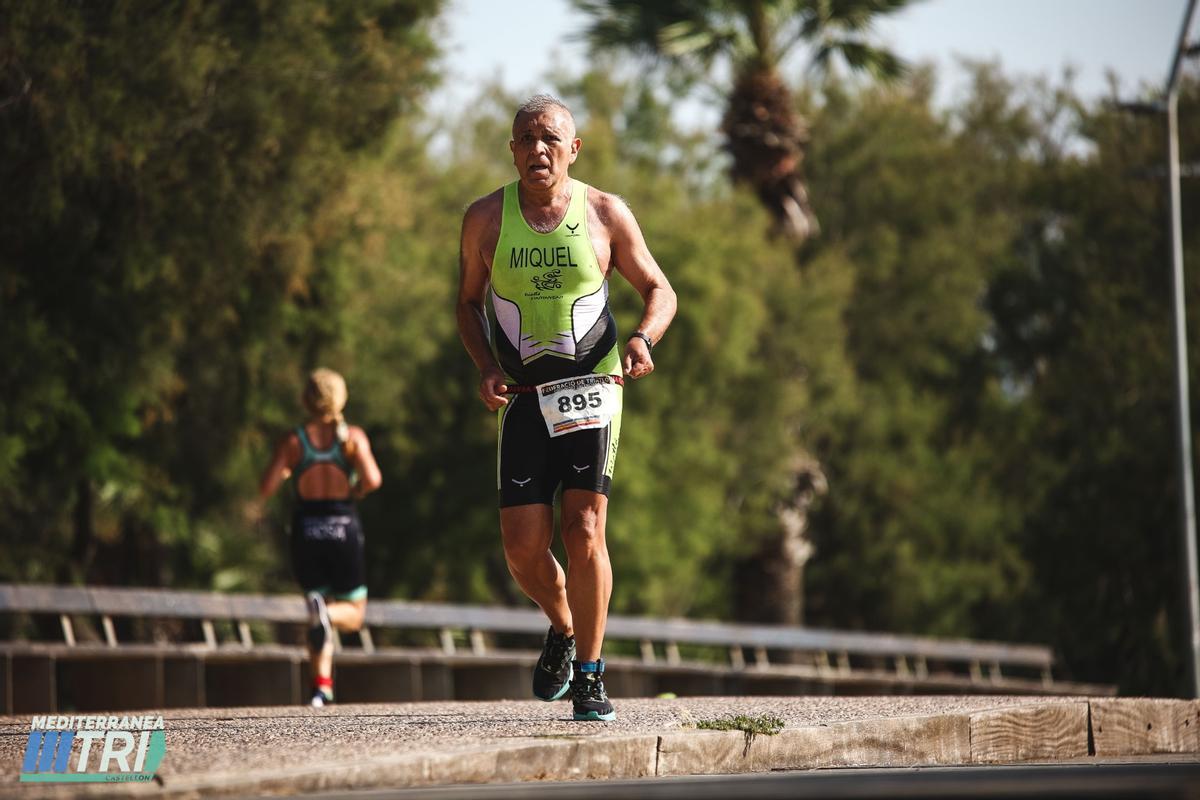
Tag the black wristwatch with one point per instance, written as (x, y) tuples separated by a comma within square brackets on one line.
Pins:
[(644, 338)]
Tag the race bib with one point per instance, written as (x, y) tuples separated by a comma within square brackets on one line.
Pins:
[(579, 404)]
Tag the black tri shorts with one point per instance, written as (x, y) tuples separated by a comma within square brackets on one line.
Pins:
[(531, 464), (327, 549)]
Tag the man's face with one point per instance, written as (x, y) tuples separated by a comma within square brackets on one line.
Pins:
[(543, 146)]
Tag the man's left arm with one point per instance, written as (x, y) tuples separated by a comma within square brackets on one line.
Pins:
[(632, 259)]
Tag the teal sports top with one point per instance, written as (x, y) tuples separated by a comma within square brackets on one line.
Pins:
[(311, 456)]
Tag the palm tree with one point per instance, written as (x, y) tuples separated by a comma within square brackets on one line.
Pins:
[(766, 138), (762, 131)]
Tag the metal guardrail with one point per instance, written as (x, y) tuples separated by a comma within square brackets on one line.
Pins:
[(827, 651)]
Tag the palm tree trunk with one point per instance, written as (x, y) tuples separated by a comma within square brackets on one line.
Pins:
[(771, 581), (766, 138)]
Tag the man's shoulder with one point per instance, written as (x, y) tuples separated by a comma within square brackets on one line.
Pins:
[(485, 208), (611, 209)]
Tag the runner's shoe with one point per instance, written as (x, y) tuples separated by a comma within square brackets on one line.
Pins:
[(320, 628), (552, 675), (587, 692), (320, 698)]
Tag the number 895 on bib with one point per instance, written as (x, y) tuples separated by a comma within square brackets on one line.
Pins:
[(578, 404)]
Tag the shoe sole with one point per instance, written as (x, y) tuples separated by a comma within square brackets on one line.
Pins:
[(561, 692), (595, 716), (557, 696)]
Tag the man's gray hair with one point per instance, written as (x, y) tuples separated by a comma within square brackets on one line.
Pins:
[(540, 103)]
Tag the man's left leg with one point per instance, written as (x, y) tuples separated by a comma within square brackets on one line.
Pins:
[(589, 587), (589, 573)]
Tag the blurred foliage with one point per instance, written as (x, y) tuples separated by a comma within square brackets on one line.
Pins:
[(168, 173), (204, 200)]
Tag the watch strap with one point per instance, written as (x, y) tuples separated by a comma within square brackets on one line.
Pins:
[(644, 338)]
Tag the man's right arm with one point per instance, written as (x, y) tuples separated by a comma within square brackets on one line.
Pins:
[(473, 279)]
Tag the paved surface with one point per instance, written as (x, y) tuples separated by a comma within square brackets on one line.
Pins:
[(290, 750)]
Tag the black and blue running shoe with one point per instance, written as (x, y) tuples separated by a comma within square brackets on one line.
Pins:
[(552, 675), (587, 692)]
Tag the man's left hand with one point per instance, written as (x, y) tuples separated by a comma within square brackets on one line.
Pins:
[(637, 363)]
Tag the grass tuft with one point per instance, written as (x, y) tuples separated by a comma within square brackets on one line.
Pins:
[(765, 724)]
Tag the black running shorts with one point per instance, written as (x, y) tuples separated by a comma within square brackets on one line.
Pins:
[(327, 549), (532, 464)]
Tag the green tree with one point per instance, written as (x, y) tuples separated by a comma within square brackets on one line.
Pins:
[(766, 138), (1083, 337), (161, 276), (913, 534)]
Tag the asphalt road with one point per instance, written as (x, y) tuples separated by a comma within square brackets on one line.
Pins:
[(1148, 779)]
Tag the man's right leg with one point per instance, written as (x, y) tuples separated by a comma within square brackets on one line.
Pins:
[(527, 531)]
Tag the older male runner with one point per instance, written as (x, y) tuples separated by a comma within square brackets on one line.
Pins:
[(541, 249)]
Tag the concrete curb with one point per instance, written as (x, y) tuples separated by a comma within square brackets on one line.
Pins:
[(583, 759), (897, 742), (1038, 731), (1145, 727), (1042, 732)]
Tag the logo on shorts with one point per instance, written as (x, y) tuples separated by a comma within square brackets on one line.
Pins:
[(580, 469), (127, 749), (521, 483)]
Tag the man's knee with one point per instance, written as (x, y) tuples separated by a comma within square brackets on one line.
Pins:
[(523, 552), (583, 535)]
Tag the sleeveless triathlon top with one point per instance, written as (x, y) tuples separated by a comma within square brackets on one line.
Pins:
[(311, 456), (549, 299)]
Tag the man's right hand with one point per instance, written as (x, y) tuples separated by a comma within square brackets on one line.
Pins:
[(492, 388)]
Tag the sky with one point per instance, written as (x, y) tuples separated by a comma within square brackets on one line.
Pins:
[(487, 40)]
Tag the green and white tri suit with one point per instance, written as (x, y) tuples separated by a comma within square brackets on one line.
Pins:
[(551, 322)]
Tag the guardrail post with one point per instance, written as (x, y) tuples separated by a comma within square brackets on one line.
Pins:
[(210, 633), (478, 646), (760, 658), (922, 668), (67, 628), (736, 659), (244, 634), (995, 674), (843, 662), (902, 667), (368, 644), (447, 640), (673, 653), (647, 648), (976, 671), (110, 633)]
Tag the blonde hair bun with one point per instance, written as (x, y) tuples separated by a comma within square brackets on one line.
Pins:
[(325, 396)]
